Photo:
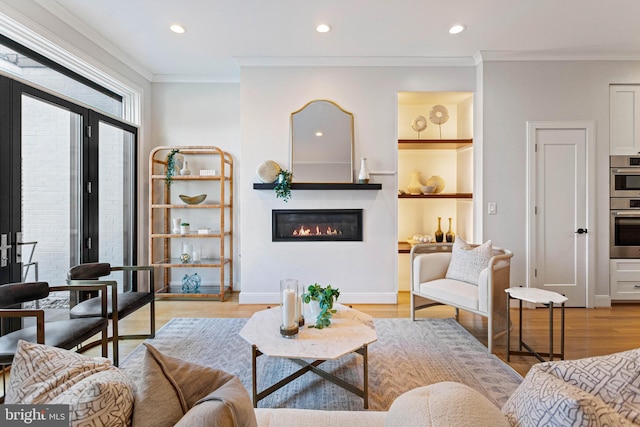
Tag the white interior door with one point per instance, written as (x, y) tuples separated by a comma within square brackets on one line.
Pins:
[(561, 222)]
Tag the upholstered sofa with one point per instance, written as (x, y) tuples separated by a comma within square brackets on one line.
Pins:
[(598, 391), (466, 276)]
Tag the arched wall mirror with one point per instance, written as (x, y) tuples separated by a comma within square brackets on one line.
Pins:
[(322, 143)]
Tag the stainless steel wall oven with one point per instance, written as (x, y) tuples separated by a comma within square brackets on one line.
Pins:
[(625, 176), (625, 207)]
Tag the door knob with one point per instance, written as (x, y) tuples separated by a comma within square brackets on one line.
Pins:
[(581, 231)]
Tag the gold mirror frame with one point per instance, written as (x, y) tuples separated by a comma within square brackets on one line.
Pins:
[(322, 143)]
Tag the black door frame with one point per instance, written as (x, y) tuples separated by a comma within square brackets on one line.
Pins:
[(11, 92)]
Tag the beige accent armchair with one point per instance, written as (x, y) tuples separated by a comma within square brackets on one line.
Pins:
[(429, 287)]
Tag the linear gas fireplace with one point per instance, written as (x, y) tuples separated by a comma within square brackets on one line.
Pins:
[(293, 225)]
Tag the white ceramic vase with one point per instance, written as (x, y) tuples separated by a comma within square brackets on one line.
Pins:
[(185, 169), (415, 184), (176, 225), (363, 176)]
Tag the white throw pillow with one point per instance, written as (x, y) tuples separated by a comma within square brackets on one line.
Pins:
[(98, 393), (467, 261)]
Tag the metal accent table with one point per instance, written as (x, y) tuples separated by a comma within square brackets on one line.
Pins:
[(350, 332), (537, 296)]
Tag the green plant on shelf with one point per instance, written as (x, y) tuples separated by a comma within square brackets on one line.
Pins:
[(171, 167), (283, 185)]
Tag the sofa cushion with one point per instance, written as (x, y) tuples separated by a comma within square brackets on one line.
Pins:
[(544, 399), (444, 404), (460, 294), (177, 386), (614, 378), (97, 392), (270, 417), (467, 261)]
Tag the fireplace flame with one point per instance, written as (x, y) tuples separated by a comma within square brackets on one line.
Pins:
[(315, 230)]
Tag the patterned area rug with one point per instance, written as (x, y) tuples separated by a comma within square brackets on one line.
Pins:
[(407, 354)]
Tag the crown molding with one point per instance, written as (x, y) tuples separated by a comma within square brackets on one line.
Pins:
[(196, 78), (353, 61), (505, 55)]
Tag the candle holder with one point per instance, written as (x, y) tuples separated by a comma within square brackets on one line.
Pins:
[(289, 307), (301, 291)]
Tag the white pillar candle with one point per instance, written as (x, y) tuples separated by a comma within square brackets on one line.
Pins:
[(289, 308)]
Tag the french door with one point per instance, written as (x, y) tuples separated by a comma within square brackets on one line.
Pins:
[(66, 184)]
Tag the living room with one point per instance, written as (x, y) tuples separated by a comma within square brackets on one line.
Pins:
[(248, 116)]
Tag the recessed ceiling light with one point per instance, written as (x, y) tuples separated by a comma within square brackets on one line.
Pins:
[(458, 28), (323, 28), (319, 133), (177, 28)]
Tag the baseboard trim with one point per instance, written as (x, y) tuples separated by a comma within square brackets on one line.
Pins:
[(345, 298), (602, 301)]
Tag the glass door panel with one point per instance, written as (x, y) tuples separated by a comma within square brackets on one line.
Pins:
[(116, 172), (51, 137)]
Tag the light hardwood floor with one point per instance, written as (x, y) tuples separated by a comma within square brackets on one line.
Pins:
[(588, 332)]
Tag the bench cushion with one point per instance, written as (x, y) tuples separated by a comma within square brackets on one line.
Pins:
[(454, 292)]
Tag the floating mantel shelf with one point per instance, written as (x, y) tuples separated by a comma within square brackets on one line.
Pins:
[(320, 186)]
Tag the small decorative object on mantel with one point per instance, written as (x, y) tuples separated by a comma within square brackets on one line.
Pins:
[(439, 234), (450, 236), (439, 116), (437, 182), (363, 176), (283, 186), (289, 306), (419, 124), (268, 171), (174, 163), (323, 299)]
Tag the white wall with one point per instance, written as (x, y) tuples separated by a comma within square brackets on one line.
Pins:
[(200, 114), (517, 92), (364, 271)]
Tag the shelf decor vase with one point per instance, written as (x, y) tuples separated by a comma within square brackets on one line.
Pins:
[(415, 184), (176, 225), (450, 236), (185, 169), (363, 176), (439, 234), (437, 182)]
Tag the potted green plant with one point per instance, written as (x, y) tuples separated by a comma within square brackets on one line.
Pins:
[(325, 297), (171, 166), (283, 185)]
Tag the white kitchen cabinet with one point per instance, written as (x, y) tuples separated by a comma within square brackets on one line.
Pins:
[(624, 120), (624, 279)]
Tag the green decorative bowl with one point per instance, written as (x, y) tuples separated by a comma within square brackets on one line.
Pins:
[(193, 200)]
